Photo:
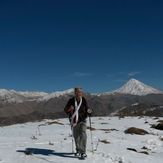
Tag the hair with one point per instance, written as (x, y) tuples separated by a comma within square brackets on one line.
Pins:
[(77, 88)]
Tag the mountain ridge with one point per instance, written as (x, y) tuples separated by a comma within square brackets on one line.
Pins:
[(132, 87)]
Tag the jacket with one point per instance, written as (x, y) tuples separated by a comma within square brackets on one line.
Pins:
[(83, 114)]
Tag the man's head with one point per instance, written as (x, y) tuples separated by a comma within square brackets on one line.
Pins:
[(78, 92)]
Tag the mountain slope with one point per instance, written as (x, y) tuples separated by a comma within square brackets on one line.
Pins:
[(132, 87), (20, 107), (12, 96), (51, 142), (135, 87), (56, 94)]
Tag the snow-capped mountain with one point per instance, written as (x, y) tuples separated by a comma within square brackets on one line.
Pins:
[(12, 96), (33, 94), (20, 107), (132, 87), (135, 87), (56, 94)]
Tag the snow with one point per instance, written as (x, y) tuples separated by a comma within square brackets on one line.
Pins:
[(56, 94), (135, 104), (32, 94), (6, 93), (136, 87), (53, 143), (12, 96), (132, 87)]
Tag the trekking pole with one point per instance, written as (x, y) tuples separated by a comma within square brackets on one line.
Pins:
[(72, 139), (72, 134), (91, 133)]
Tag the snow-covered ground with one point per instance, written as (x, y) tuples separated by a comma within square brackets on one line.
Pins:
[(53, 143)]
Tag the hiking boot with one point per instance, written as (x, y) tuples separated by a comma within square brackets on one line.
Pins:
[(77, 153), (83, 156)]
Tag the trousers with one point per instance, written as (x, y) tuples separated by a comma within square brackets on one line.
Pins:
[(80, 136)]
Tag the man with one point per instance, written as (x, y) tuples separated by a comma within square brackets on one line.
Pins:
[(78, 110)]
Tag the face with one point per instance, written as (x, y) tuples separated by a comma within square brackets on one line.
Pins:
[(78, 93)]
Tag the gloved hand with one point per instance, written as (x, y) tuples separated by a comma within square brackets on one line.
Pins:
[(89, 111), (71, 109)]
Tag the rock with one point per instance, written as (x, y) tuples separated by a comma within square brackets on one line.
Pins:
[(132, 149), (105, 141), (158, 126), (91, 128), (144, 152), (134, 130)]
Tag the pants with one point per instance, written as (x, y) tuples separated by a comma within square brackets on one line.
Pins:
[(80, 136)]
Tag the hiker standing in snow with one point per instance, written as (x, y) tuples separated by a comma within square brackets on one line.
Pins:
[(78, 111)]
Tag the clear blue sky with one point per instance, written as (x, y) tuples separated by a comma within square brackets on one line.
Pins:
[(48, 45)]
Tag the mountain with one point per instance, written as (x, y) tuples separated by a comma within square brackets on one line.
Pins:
[(12, 96), (135, 87), (56, 94), (134, 98), (139, 110), (32, 94), (132, 87)]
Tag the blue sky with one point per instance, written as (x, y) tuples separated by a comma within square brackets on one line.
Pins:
[(50, 45)]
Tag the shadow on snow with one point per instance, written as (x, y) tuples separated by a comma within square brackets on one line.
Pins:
[(45, 152)]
